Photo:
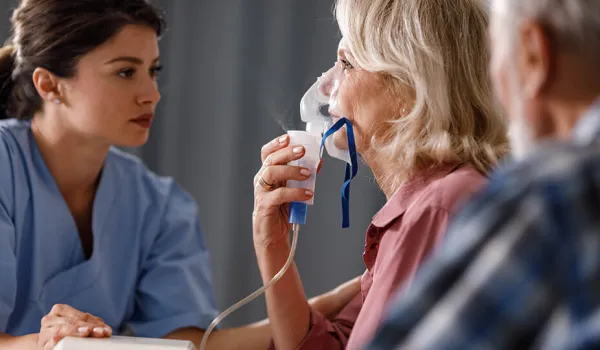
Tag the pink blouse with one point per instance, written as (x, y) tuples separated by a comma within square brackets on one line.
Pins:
[(400, 236)]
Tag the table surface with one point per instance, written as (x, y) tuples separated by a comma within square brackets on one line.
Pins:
[(123, 343)]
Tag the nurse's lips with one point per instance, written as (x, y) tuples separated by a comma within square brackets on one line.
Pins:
[(144, 120)]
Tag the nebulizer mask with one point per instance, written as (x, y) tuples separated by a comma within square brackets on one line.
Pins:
[(319, 134)]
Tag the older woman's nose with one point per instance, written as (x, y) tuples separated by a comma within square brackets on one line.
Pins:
[(326, 82)]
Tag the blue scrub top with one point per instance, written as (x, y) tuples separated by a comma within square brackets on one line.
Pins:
[(149, 269)]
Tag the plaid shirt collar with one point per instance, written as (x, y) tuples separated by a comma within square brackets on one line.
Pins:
[(587, 129)]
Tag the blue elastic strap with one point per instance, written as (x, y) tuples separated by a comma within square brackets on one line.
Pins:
[(351, 169)]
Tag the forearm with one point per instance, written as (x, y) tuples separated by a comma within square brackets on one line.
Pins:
[(258, 335), (254, 336), (331, 303), (287, 307), (26, 342)]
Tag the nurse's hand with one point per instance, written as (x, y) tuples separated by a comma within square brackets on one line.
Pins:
[(271, 205), (65, 321)]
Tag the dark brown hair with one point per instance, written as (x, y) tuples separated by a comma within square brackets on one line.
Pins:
[(55, 34)]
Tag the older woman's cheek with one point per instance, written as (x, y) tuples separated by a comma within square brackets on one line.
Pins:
[(340, 139)]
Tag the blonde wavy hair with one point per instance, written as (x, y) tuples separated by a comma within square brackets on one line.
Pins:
[(434, 54)]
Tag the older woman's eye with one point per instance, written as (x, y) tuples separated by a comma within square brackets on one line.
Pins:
[(346, 65)]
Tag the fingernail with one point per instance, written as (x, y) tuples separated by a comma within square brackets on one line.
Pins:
[(297, 149), (305, 172), (308, 193), (83, 329), (282, 139), (99, 330), (267, 161)]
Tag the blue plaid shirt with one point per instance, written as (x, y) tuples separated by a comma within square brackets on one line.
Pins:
[(520, 266)]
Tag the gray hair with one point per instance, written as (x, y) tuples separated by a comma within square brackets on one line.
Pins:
[(574, 24)]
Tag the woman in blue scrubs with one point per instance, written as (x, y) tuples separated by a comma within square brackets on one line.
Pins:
[(87, 231), (84, 226)]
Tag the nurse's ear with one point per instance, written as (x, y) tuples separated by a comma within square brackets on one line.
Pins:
[(47, 85)]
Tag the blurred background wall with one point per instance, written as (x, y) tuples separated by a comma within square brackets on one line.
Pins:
[(234, 73)]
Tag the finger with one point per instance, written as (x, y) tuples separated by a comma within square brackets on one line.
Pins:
[(49, 322), (280, 173), (57, 332), (285, 155), (101, 332), (69, 312), (281, 196), (61, 310), (89, 318), (276, 144), (52, 342), (319, 167), (65, 330)]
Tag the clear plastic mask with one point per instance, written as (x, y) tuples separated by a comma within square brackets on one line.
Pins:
[(314, 108)]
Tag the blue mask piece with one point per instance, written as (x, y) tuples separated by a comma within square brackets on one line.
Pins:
[(351, 169)]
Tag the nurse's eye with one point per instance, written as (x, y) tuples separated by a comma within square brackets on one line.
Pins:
[(155, 70), (126, 73)]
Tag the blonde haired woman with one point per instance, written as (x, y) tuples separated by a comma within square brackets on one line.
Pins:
[(411, 77)]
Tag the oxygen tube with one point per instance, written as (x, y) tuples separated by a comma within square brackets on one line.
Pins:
[(256, 294), (319, 128), (297, 217)]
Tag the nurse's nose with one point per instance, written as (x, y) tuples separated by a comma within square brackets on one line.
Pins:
[(149, 94)]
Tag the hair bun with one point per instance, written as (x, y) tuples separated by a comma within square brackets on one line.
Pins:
[(7, 63)]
